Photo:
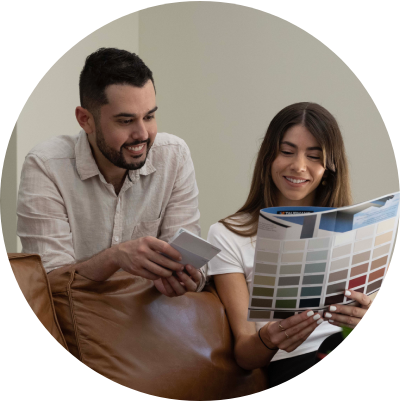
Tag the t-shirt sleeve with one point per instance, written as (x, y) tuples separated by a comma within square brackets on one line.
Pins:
[(229, 260)]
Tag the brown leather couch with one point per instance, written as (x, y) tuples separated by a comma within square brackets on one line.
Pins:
[(127, 331)]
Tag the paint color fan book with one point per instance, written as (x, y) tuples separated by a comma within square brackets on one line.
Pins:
[(306, 257)]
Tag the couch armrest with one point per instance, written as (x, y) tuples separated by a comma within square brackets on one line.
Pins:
[(124, 329), (32, 280)]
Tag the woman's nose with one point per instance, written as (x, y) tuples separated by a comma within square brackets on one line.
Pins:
[(299, 163)]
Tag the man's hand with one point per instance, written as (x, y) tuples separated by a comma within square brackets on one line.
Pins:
[(142, 257), (180, 283)]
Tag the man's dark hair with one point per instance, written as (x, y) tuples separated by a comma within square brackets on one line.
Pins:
[(109, 66)]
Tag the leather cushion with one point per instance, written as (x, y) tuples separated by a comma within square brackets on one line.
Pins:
[(124, 329)]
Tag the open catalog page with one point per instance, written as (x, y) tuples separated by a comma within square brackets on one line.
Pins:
[(306, 257)]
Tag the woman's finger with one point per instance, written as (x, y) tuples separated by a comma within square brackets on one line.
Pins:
[(349, 315), (280, 326), (343, 320), (292, 331), (362, 299), (352, 311), (299, 337), (283, 330)]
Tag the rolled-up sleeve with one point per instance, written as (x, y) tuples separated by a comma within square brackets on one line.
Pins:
[(182, 209), (43, 225)]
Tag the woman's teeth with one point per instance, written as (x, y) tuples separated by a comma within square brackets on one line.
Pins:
[(294, 181)]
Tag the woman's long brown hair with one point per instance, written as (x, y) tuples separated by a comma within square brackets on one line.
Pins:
[(335, 192)]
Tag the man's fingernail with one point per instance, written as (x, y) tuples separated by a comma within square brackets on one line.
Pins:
[(327, 314), (331, 321), (319, 321), (310, 313), (317, 316), (332, 309), (347, 293)]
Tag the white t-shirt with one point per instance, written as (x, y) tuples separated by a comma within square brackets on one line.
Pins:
[(236, 256)]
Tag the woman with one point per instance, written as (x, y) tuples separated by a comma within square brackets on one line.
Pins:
[(301, 162)]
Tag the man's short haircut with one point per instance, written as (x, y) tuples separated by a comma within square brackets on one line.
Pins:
[(109, 66)]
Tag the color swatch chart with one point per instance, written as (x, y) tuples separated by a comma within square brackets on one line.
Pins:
[(294, 275)]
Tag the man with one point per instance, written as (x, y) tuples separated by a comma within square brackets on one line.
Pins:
[(111, 197)]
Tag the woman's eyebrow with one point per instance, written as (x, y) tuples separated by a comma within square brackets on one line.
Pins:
[(295, 146)]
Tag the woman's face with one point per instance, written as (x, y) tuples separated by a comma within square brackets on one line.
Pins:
[(298, 168)]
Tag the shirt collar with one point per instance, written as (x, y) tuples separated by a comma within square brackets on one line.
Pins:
[(86, 163)]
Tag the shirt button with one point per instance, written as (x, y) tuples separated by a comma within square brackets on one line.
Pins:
[(116, 238)]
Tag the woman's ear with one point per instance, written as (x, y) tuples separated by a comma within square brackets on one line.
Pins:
[(324, 178)]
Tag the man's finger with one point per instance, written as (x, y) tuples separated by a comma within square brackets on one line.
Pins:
[(194, 273), (163, 247), (175, 284), (156, 270), (164, 288), (189, 283), (165, 262), (169, 289), (147, 274)]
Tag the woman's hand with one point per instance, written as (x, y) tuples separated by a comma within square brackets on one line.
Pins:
[(347, 315), (290, 333), (179, 283)]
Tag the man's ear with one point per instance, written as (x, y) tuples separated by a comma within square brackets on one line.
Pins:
[(85, 119)]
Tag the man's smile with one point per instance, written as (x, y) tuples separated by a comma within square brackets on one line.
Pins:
[(136, 150)]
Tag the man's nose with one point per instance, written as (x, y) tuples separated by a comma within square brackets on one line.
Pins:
[(139, 131)]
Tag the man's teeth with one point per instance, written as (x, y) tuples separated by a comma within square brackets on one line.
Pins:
[(294, 181), (135, 148)]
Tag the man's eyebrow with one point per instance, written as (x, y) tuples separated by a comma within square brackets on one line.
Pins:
[(295, 146), (133, 115)]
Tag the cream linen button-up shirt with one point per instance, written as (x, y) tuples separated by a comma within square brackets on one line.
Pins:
[(67, 212)]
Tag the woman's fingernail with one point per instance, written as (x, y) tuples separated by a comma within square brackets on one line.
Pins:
[(332, 309), (317, 316), (319, 321), (331, 321), (327, 314), (347, 293), (310, 313)]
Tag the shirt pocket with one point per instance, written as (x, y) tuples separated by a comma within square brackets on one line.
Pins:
[(147, 229)]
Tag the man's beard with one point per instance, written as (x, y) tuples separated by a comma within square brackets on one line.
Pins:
[(117, 158)]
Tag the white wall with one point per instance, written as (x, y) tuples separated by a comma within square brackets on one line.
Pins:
[(223, 71), (50, 110)]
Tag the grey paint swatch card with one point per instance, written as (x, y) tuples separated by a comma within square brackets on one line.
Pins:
[(195, 251)]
